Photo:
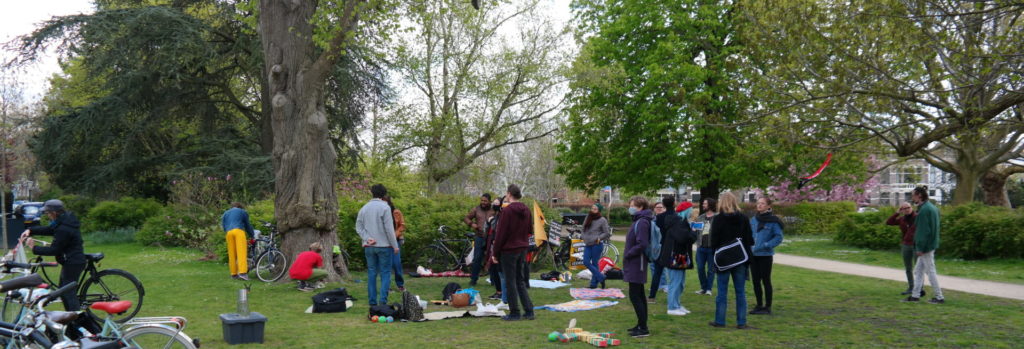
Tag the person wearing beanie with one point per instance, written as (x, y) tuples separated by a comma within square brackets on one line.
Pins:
[(595, 231)]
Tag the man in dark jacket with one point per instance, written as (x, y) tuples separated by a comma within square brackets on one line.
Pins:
[(676, 239), (66, 247), (510, 244)]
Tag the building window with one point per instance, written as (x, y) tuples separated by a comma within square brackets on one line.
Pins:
[(884, 200), (906, 196), (884, 176), (753, 197), (931, 192)]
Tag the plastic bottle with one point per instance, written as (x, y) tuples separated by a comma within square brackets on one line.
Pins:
[(243, 302)]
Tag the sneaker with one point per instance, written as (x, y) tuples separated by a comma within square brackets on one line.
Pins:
[(911, 299), (715, 324), (320, 284), (511, 317), (243, 277), (707, 292), (683, 309), (677, 312), (757, 310), (640, 333), (602, 285), (907, 292), (650, 300), (937, 301), (306, 289), (742, 327), (529, 316), (495, 296), (699, 292), (502, 306)]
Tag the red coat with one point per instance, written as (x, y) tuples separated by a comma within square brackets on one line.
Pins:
[(302, 269), (906, 224)]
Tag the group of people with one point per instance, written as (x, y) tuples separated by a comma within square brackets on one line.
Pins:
[(720, 224), (920, 240)]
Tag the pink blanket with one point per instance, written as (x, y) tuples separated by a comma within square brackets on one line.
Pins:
[(453, 273), (594, 293)]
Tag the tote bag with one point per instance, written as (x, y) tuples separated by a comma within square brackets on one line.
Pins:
[(730, 256)]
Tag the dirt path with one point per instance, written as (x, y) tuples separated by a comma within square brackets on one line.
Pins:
[(988, 288)]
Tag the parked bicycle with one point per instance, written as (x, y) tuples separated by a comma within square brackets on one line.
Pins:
[(448, 254), (45, 329), (106, 285), (264, 256), (144, 332), (558, 247)]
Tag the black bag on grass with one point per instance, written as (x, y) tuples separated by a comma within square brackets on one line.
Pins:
[(614, 274), (449, 290), (332, 301), (383, 310)]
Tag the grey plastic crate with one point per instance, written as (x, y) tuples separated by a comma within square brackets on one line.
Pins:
[(240, 329)]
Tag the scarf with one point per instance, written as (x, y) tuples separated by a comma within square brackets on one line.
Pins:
[(768, 217), (590, 218)]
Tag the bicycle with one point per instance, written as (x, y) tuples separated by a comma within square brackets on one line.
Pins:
[(264, 256), (40, 328), (96, 285), (560, 247), (144, 332), (439, 256)]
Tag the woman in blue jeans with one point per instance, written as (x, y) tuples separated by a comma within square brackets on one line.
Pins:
[(705, 267), (727, 227), (595, 230)]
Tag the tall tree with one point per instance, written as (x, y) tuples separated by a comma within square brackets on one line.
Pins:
[(478, 81), (912, 73)]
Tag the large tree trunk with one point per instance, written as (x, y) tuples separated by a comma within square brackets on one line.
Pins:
[(709, 190), (305, 204), (993, 188), (966, 185)]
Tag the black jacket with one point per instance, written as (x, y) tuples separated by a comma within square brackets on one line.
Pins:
[(727, 227), (67, 240), (676, 237)]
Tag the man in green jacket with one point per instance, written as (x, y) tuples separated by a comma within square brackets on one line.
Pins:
[(926, 241)]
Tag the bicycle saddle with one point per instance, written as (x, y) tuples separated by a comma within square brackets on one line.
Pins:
[(61, 317), (94, 257), (118, 307)]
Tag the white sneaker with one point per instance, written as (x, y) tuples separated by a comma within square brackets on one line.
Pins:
[(677, 312), (699, 292), (502, 306), (683, 310)]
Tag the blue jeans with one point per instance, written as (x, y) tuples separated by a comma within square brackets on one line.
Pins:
[(591, 256), (478, 259), (657, 278), (504, 289), (705, 268), (396, 264), (378, 262), (676, 285), (739, 276)]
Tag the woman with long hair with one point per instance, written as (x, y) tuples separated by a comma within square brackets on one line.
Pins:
[(595, 230), (728, 226), (396, 261)]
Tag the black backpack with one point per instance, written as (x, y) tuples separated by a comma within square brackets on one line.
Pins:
[(332, 301), (449, 290), (383, 310), (550, 276)]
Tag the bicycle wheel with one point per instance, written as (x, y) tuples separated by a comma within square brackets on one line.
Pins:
[(611, 251), (112, 285), (271, 265), (561, 256), (436, 259), (543, 256), (10, 311), (146, 337)]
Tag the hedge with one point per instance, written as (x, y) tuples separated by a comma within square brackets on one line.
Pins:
[(127, 212), (869, 230), (814, 218)]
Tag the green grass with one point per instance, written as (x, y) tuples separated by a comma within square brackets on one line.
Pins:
[(1003, 270), (813, 310)]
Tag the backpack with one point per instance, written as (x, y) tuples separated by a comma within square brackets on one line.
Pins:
[(449, 290), (411, 309), (332, 301), (383, 310), (654, 247)]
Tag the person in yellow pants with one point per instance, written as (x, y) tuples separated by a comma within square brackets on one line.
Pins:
[(236, 224)]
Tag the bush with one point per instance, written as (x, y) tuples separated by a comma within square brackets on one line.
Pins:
[(815, 218), (125, 213), (177, 226), (869, 230), (115, 236), (975, 231), (619, 216), (79, 204)]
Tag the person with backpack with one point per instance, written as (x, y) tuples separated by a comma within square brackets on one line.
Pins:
[(396, 262), (767, 228), (308, 268), (658, 275), (634, 262), (731, 238), (510, 245), (595, 230), (675, 257), (376, 227), (705, 254)]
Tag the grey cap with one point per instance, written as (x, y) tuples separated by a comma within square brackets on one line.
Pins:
[(53, 205)]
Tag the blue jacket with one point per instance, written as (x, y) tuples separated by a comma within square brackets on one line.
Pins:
[(236, 218), (766, 238)]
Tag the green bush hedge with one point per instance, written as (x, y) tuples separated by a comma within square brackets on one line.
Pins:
[(619, 216), (125, 213), (180, 226), (869, 230), (79, 204), (815, 218)]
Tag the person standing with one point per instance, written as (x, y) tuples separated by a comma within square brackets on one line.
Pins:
[(376, 227), (595, 231), (396, 262), (726, 228), (926, 241), (658, 276), (634, 262), (675, 241), (767, 229), (684, 210), (66, 247), (237, 228), (904, 218), (309, 268), (476, 219), (497, 277), (510, 244), (705, 254)]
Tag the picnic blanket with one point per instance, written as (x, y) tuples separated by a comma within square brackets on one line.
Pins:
[(445, 274), (577, 305), (546, 284), (592, 293), (441, 315)]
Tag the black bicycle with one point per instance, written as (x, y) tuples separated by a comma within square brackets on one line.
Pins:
[(264, 257), (95, 285), (448, 254)]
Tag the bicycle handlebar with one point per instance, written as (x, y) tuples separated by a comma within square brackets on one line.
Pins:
[(53, 295), (22, 282)]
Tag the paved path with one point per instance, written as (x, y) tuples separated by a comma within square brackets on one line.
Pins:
[(988, 288)]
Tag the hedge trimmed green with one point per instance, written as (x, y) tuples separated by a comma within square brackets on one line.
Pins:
[(128, 212), (869, 230), (815, 218)]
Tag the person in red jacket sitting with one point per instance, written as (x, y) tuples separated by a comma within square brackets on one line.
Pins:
[(308, 268)]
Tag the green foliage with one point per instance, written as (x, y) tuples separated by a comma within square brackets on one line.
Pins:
[(178, 226), (79, 204), (815, 218), (869, 230), (619, 216), (975, 231), (113, 236), (128, 212)]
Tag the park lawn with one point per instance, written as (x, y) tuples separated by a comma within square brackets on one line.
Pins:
[(812, 309), (1002, 270)]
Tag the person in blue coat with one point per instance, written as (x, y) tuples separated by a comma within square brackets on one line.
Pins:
[(767, 228)]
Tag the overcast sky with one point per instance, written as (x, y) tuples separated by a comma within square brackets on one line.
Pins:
[(21, 17)]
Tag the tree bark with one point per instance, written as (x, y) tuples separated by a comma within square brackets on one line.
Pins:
[(993, 189), (709, 190), (966, 185), (305, 203)]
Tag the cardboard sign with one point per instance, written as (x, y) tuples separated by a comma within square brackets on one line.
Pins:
[(576, 255)]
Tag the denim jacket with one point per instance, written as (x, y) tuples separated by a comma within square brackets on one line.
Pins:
[(766, 238)]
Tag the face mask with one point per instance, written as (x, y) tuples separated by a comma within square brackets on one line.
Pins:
[(633, 210), (495, 207)]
